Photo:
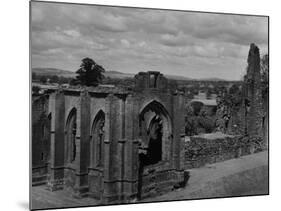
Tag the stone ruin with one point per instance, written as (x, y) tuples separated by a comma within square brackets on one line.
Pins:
[(247, 118), (252, 95), (241, 129), (111, 144), (118, 145)]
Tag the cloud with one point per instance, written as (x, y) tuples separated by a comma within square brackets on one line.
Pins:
[(125, 43), (174, 40), (235, 29), (130, 39), (72, 33)]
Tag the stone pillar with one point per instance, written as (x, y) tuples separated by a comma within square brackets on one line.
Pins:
[(82, 145), (56, 175), (178, 131), (130, 151), (112, 184), (121, 146), (107, 139)]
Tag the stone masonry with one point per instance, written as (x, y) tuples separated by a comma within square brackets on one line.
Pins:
[(118, 145), (253, 100), (102, 140)]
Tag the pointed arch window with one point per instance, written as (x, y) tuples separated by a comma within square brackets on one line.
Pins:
[(71, 128), (155, 133), (97, 139)]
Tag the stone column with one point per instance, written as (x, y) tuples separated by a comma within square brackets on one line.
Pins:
[(56, 175), (130, 150), (178, 131), (121, 146), (82, 145), (107, 141), (113, 177)]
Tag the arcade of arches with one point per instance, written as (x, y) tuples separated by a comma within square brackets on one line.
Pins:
[(105, 142)]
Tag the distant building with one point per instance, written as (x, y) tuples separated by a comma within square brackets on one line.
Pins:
[(201, 95), (107, 85)]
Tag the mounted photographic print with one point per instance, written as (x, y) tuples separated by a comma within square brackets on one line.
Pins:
[(134, 105)]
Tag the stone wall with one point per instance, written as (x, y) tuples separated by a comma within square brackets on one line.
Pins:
[(120, 177), (244, 112), (41, 139), (159, 179), (216, 147)]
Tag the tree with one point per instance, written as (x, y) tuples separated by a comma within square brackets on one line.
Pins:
[(264, 75), (197, 106), (233, 97), (205, 122), (43, 79), (35, 89), (208, 93), (54, 79), (89, 73), (264, 67), (34, 76)]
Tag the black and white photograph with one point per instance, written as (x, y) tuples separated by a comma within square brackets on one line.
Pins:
[(133, 105)]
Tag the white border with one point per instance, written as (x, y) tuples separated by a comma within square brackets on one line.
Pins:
[(15, 103)]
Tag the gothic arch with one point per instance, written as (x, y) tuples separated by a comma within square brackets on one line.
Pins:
[(47, 136), (155, 131), (157, 105), (70, 136), (97, 138)]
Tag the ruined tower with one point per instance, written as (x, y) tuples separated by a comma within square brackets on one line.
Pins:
[(253, 98)]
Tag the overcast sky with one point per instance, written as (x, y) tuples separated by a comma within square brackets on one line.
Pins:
[(196, 45)]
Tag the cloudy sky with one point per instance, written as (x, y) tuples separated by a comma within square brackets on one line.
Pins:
[(196, 45)]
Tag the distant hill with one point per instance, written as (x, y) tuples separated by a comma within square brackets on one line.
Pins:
[(213, 79), (67, 73), (210, 79), (176, 77), (111, 74), (116, 74), (53, 71)]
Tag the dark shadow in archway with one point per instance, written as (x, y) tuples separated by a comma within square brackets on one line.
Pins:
[(155, 133), (71, 136), (97, 138), (155, 130)]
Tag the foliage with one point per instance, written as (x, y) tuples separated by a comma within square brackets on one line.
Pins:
[(206, 123), (265, 67), (197, 121), (50, 78), (208, 93), (172, 84), (196, 106), (54, 79), (89, 73), (123, 82), (35, 89), (43, 79), (233, 97), (190, 126), (265, 75)]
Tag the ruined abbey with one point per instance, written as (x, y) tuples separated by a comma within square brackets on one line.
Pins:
[(118, 145)]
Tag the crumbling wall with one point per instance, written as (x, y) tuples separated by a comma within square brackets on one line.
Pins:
[(252, 85), (217, 147), (40, 138), (240, 112), (162, 176), (119, 178)]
